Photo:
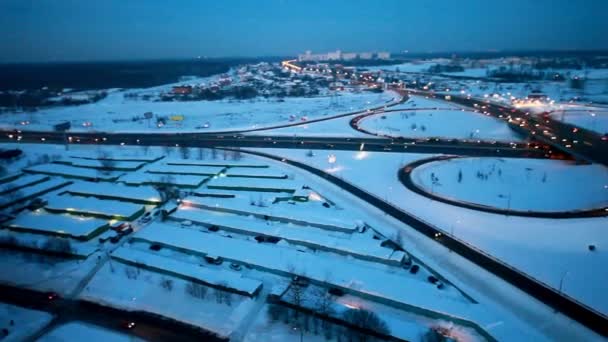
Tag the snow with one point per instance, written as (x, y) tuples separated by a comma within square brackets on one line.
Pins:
[(22, 182), (145, 293), (84, 331), (383, 285), (223, 115), (554, 251), (207, 275), (439, 123), (591, 118), (63, 225), (254, 173), (181, 180), (518, 184), (355, 244), (302, 213), (71, 171), (185, 169), (260, 184), (33, 191), (42, 272), (92, 206), (26, 321), (139, 194), (97, 164)]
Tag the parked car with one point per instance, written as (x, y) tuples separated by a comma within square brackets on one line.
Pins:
[(52, 295), (118, 226), (115, 238), (186, 223), (414, 269), (155, 247), (336, 292), (212, 259), (235, 266)]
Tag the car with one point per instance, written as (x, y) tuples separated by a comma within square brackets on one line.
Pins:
[(432, 279), (52, 295), (300, 281), (235, 266), (126, 230), (186, 223), (336, 292), (145, 219), (215, 260), (118, 226), (155, 247), (414, 269), (115, 238), (127, 325)]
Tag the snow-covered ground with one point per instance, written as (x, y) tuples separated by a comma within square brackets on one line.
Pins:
[(501, 310), (457, 124), (21, 322), (115, 113), (73, 331), (340, 127), (517, 184), (140, 289), (553, 251)]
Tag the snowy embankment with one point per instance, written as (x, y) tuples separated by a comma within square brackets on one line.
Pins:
[(21, 323), (21, 182), (451, 124), (90, 206), (61, 225), (193, 170), (137, 194), (68, 171), (554, 251), (116, 113), (118, 165), (301, 213), (356, 244), (32, 191), (216, 277), (516, 184)]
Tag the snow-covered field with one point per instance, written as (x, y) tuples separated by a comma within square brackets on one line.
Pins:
[(115, 113), (457, 124), (21, 322), (517, 184)]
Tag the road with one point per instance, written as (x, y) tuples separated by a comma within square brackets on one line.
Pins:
[(395, 145), (406, 180), (583, 144)]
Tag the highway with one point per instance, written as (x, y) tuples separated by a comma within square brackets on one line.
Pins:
[(394, 145), (582, 144)]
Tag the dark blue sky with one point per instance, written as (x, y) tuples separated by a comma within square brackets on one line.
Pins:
[(59, 30)]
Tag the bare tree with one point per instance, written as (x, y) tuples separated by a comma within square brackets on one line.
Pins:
[(166, 188), (196, 290), (185, 152), (106, 161), (166, 284), (364, 319)]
